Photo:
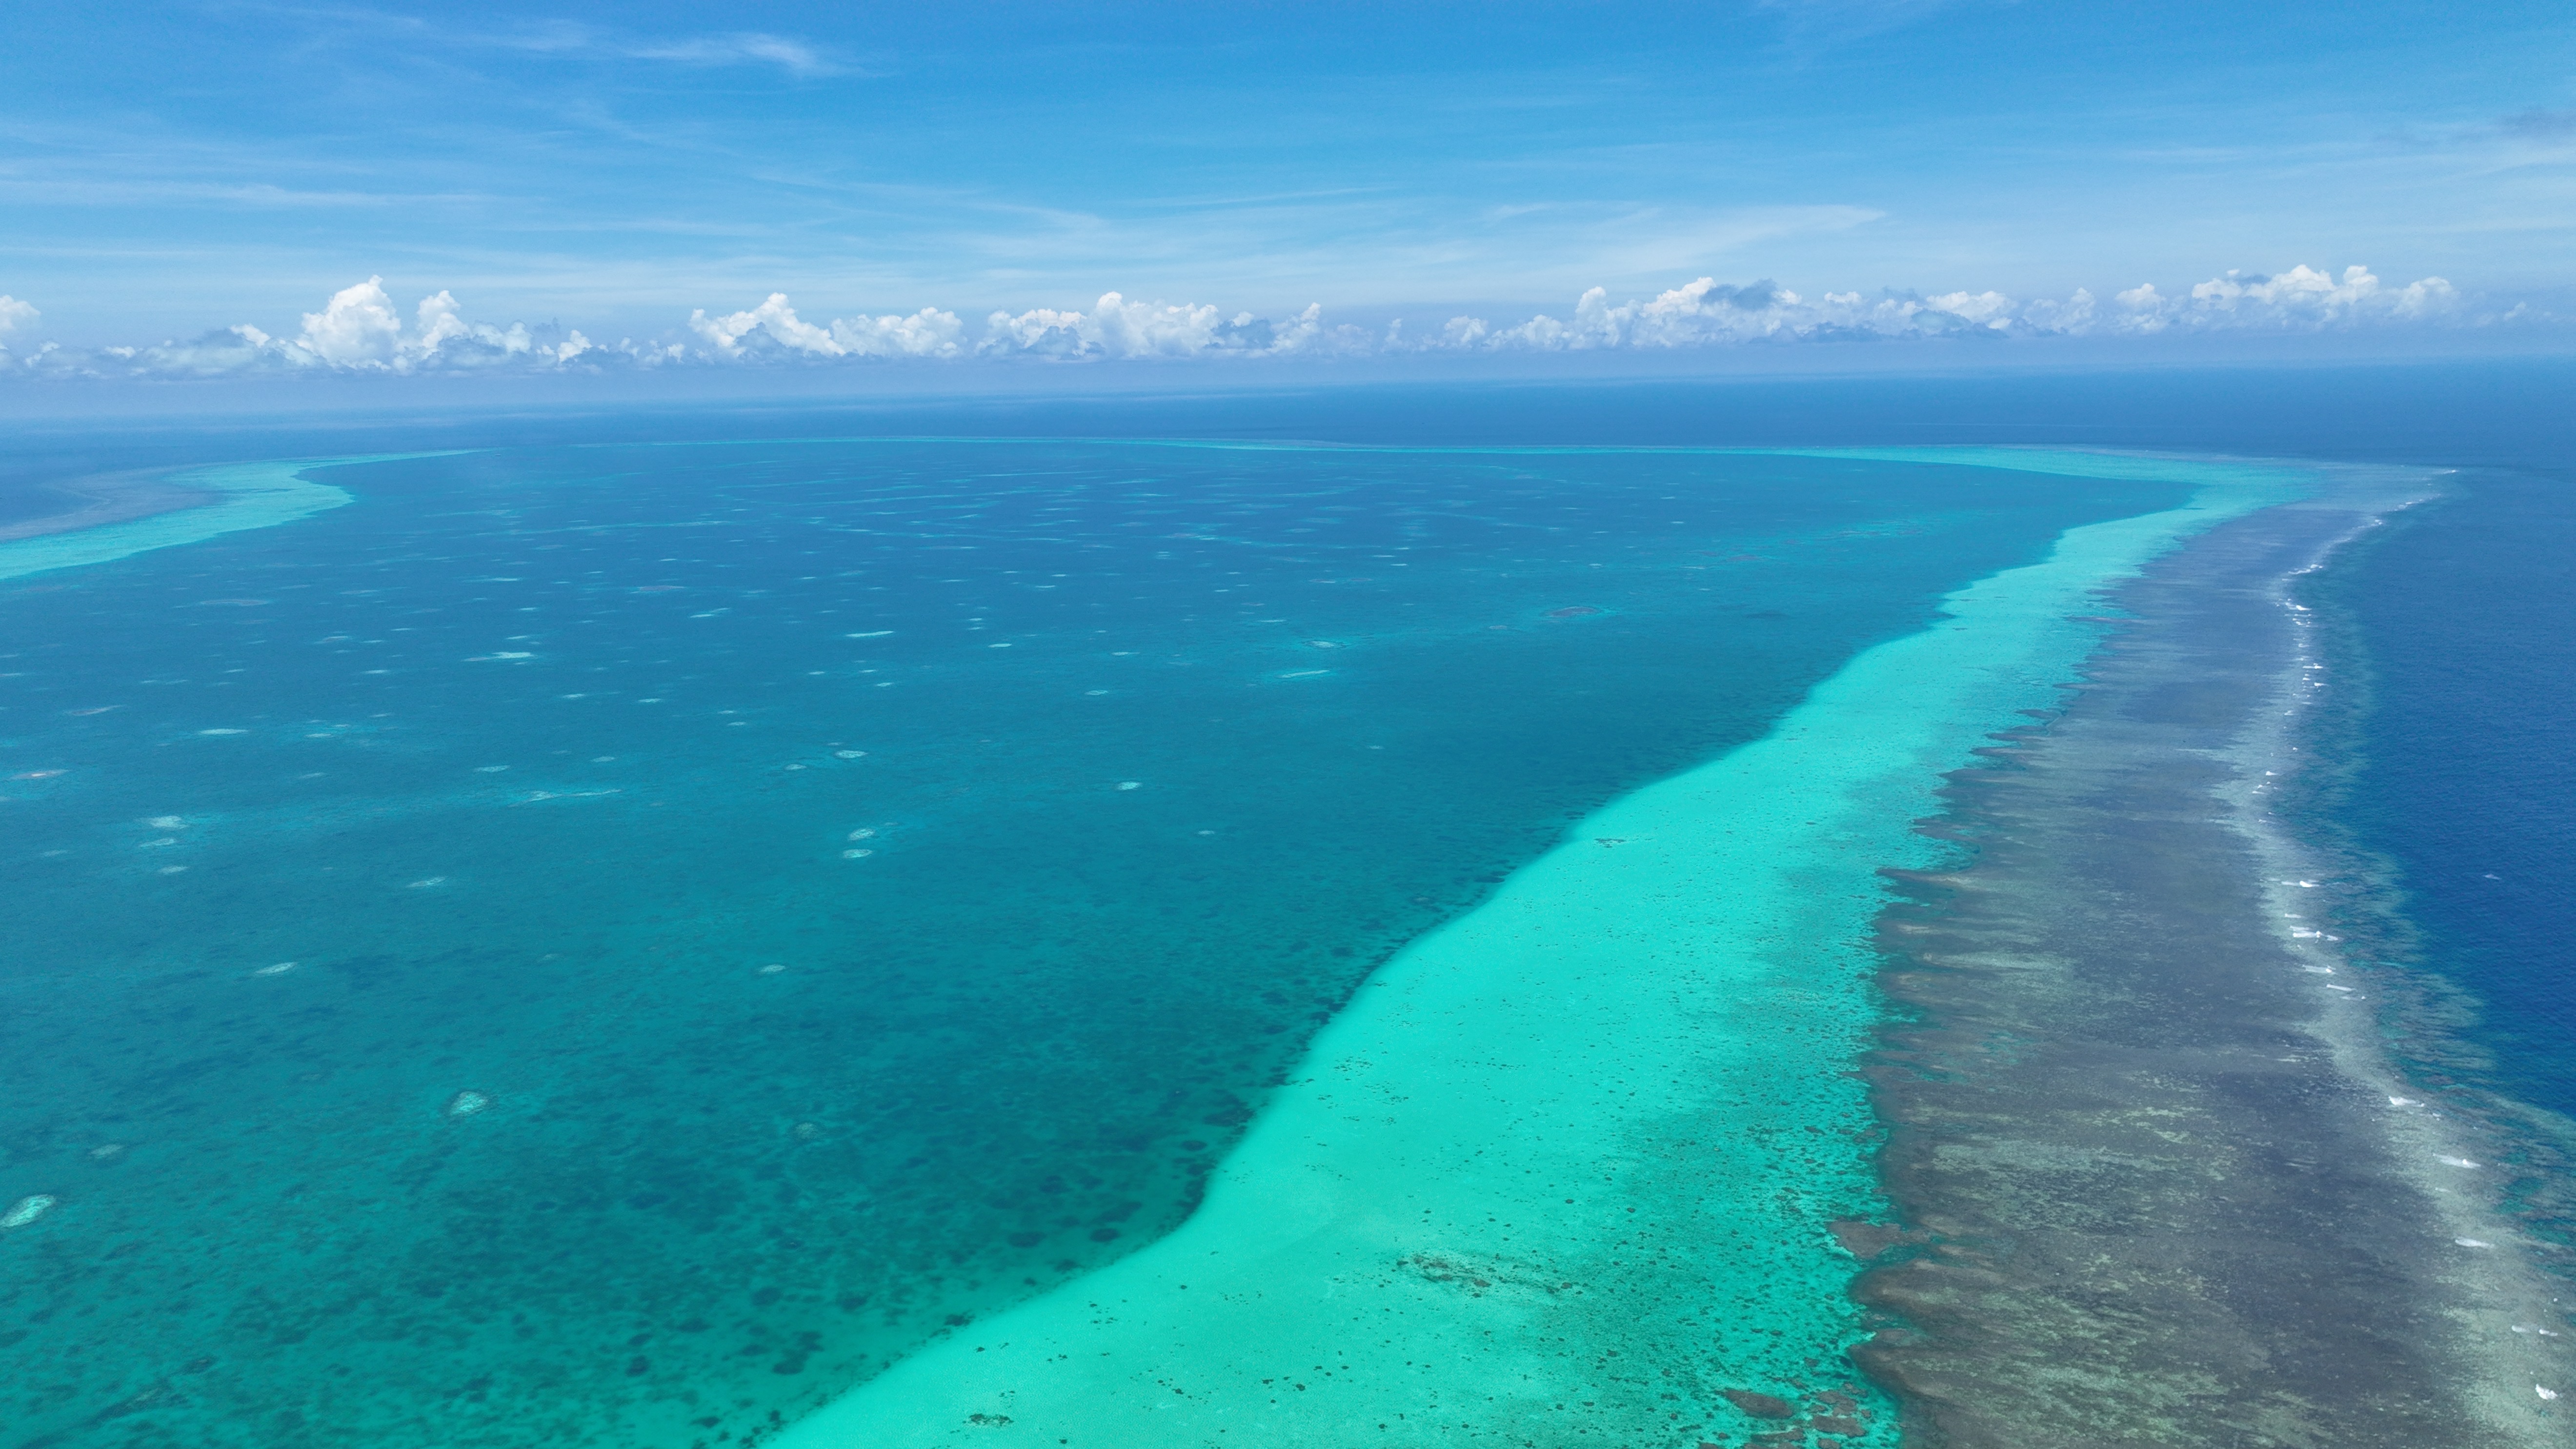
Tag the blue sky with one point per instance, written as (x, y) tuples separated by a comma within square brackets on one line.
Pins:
[(211, 175)]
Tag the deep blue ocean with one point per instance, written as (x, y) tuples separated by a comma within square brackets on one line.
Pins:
[(759, 888), (2466, 781)]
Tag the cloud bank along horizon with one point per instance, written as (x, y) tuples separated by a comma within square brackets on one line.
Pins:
[(360, 329)]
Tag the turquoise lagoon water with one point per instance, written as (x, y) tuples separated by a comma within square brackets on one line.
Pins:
[(620, 945)]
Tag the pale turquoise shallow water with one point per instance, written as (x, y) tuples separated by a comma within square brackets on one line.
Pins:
[(533, 763)]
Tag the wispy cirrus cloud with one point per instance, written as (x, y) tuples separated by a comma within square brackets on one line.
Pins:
[(64, 184), (735, 47), (793, 54), (1808, 26), (2540, 125), (748, 47)]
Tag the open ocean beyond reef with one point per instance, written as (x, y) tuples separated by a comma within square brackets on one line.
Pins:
[(607, 941)]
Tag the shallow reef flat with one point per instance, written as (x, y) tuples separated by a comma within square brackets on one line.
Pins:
[(1571, 1168), (103, 499), (163, 510), (2158, 1186)]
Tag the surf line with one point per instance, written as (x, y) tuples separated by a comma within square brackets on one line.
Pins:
[(1570, 1162), (252, 495)]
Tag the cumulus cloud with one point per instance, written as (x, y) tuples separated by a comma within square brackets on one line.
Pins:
[(1118, 328), (1703, 313), (359, 327), (926, 333), (1113, 328), (773, 329), (361, 330), (358, 330), (774, 320), (2302, 296)]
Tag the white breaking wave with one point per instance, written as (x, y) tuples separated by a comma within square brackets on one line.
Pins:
[(360, 330)]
